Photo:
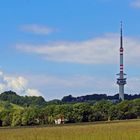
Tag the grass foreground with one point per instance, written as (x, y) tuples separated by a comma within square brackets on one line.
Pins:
[(125, 130)]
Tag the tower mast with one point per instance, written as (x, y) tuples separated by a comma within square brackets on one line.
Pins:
[(121, 81)]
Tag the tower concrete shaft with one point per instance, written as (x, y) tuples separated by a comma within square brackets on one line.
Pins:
[(121, 81)]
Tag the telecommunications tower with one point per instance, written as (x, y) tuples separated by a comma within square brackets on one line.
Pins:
[(121, 81)]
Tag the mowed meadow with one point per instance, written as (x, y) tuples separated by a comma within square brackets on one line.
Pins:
[(127, 130)]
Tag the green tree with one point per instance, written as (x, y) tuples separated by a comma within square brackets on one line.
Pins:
[(30, 116), (100, 111), (81, 112), (6, 117), (136, 107), (113, 112), (16, 118), (126, 110)]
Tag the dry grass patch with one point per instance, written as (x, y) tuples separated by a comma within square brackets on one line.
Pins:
[(110, 131)]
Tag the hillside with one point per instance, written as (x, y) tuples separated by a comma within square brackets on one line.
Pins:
[(97, 97), (12, 97), (4, 105)]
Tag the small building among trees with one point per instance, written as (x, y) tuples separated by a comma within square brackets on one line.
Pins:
[(60, 120)]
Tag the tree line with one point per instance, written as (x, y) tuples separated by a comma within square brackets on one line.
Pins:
[(35, 114), (97, 97), (13, 97)]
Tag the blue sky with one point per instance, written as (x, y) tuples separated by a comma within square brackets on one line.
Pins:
[(55, 48)]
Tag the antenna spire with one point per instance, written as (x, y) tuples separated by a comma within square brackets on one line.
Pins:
[(121, 24), (121, 37)]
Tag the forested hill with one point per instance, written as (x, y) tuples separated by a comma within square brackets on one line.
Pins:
[(12, 97), (25, 101), (97, 97)]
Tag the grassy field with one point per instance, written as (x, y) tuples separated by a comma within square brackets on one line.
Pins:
[(126, 130)]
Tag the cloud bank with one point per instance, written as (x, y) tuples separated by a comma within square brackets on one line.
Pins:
[(100, 50), (58, 86), (77, 85), (17, 84)]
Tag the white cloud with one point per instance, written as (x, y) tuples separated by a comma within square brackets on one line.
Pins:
[(101, 50), (17, 84), (33, 92), (135, 3), (37, 29)]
